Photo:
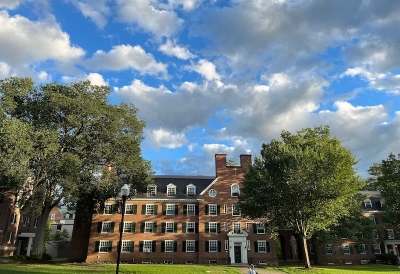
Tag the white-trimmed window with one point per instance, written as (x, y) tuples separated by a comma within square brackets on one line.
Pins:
[(191, 190), (105, 246), (346, 249), (109, 209), (190, 227), (130, 209), (13, 218), (53, 216), (127, 246), (213, 210), (148, 227), (329, 249), (390, 233), (169, 227), (226, 244), (191, 210), (262, 246), (107, 227), (147, 246), (149, 209), (128, 227), (362, 249), (10, 236), (212, 227), (35, 223), (376, 248), (190, 246), (248, 245), (235, 210), (151, 191), (235, 190), (170, 209), (171, 190), (169, 246), (260, 228), (237, 227), (367, 203), (213, 246)]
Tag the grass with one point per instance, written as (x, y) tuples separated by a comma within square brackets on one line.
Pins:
[(340, 269), (64, 268)]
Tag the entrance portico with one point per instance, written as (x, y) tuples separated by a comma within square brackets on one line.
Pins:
[(238, 247), (25, 241)]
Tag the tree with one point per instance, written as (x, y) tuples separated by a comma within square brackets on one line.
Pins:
[(65, 144), (388, 182), (303, 182), (60, 240)]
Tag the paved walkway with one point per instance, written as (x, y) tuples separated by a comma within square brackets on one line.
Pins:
[(261, 271)]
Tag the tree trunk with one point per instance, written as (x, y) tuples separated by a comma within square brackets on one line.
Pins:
[(306, 258), (38, 245)]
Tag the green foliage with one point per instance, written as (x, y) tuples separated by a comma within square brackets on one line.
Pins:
[(303, 182), (354, 226), (66, 144), (60, 240), (388, 182), (46, 257)]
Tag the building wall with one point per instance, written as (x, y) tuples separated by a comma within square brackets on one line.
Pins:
[(8, 224), (226, 176)]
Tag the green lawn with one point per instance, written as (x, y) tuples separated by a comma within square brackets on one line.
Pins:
[(342, 269), (21, 267)]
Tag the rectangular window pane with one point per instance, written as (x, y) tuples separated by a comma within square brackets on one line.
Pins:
[(213, 246), (108, 209), (126, 246), (169, 246), (148, 227), (170, 210), (147, 246), (169, 227), (149, 209), (328, 249), (103, 246), (262, 246), (212, 227), (212, 210), (127, 227), (260, 228), (191, 210), (235, 210), (106, 227), (190, 246), (129, 209), (190, 227), (346, 249)]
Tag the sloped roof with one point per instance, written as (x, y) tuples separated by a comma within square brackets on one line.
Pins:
[(181, 182)]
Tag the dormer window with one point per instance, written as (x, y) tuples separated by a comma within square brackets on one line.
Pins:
[(191, 190), (367, 203), (235, 191), (151, 191), (171, 190)]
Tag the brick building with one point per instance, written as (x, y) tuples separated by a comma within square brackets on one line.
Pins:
[(17, 231), (345, 251), (181, 219)]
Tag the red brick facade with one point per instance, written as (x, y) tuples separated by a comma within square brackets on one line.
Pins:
[(201, 229)]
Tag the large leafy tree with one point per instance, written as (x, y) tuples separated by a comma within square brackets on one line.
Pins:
[(65, 144), (386, 178), (303, 182)]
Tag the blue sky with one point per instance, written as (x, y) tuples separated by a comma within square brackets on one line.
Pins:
[(222, 76)]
